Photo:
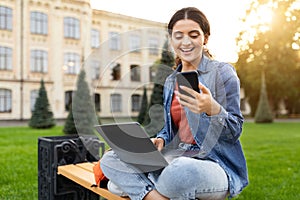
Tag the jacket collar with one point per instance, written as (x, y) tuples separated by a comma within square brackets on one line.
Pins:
[(203, 66)]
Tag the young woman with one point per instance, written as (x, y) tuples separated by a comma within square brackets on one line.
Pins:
[(209, 122)]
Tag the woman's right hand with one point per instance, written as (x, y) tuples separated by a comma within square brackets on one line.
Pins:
[(158, 142)]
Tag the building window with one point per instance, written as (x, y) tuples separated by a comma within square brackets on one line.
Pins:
[(39, 61), (5, 58), (71, 63), (134, 43), (97, 101), (68, 100), (95, 67), (116, 103), (153, 46), (5, 100), (5, 18), (135, 73), (152, 73), (116, 72), (71, 28), (114, 41), (38, 23), (95, 38), (135, 103), (33, 96)]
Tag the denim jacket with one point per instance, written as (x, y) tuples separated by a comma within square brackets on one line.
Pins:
[(216, 136)]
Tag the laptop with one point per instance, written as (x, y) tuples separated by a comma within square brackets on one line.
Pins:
[(133, 145)]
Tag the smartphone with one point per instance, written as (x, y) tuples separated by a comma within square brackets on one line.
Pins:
[(188, 79)]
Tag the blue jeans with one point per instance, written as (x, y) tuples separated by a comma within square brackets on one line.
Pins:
[(183, 179)]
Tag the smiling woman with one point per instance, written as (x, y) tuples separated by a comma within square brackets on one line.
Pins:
[(194, 122)]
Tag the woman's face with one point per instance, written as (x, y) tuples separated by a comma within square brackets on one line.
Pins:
[(187, 40)]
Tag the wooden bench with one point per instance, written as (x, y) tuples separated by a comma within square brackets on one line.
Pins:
[(82, 174)]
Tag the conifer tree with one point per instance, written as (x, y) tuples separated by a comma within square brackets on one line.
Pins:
[(42, 116), (144, 106), (154, 119), (70, 127), (82, 112), (263, 112)]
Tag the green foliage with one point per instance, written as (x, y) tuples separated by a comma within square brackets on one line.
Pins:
[(271, 50), (70, 127), (144, 106), (263, 113), (167, 57), (154, 119), (42, 116), (82, 112)]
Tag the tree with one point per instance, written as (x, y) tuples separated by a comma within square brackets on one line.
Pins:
[(154, 119), (144, 106), (82, 110), (42, 116), (263, 113), (70, 127), (274, 49)]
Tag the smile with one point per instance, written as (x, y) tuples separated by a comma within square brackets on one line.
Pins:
[(187, 50)]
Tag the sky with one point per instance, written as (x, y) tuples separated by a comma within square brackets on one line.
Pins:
[(224, 18)]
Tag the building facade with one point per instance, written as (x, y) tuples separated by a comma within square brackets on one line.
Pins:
[(53, 39)]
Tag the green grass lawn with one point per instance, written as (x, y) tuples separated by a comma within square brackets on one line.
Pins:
[(18, 163), (272, 152)]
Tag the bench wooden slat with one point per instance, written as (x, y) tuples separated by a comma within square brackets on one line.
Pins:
[(83, 175), (87, 166)]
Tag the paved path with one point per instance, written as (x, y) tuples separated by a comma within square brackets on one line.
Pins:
[(5, 123), (9, 123), (296, 120)]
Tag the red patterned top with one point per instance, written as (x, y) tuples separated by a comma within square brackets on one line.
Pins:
[(180, 121)]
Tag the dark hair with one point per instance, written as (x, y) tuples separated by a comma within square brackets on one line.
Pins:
[(197, 16), (191, 13)]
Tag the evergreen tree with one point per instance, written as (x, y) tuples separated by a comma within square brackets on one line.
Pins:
[(154, 119), (42, 116), (144, 106), (82, 111), (263, 113), (70, 127)]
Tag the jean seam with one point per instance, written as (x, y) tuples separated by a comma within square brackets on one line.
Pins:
[(142, 181), (212, 190)]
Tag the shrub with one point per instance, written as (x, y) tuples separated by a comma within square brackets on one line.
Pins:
[(42, 116), (263, 113)]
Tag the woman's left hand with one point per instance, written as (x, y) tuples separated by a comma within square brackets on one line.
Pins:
[(202, 102)]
